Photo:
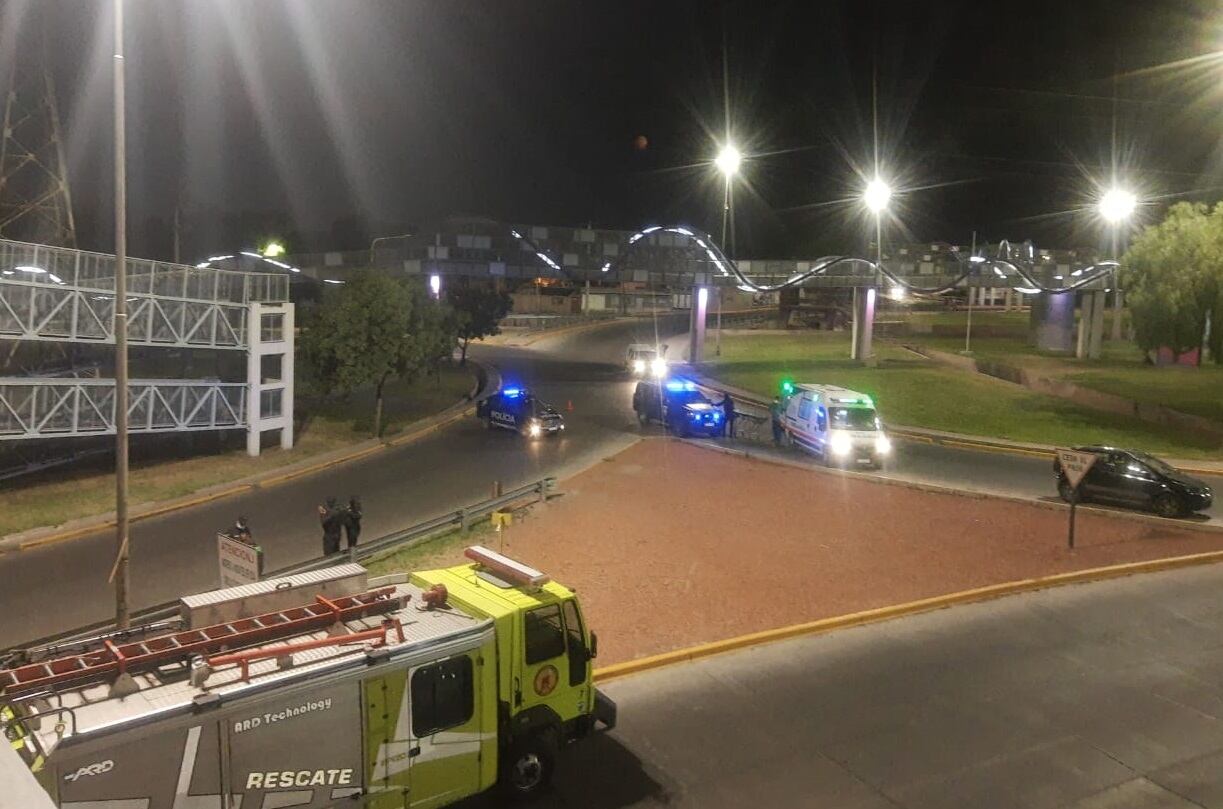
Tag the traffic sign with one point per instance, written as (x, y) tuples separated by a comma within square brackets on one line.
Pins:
[(1075, 465), (240, 563)]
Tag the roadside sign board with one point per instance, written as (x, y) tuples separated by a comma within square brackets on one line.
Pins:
[(1075, 465), (239, 561), (500, 518)]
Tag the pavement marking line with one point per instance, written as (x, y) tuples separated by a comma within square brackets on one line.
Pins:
[(975, 595), (77, 533)]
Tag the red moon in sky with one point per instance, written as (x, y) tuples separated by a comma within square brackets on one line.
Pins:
[(640, 143)]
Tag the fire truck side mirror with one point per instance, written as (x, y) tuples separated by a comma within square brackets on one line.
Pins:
[(594, 645)]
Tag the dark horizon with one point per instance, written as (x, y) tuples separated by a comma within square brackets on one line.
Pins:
[(324, 127)]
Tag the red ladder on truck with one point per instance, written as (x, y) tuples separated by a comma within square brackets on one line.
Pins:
[(115, 659)]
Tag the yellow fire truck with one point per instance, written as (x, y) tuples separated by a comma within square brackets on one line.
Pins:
[(323, 689)]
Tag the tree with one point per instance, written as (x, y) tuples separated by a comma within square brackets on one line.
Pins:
[(372, 329), (478, 309), (1174, 280)]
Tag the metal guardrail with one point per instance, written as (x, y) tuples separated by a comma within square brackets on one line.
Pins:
[(461, 518)]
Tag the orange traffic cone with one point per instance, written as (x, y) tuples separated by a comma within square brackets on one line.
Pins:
[(570, 406)]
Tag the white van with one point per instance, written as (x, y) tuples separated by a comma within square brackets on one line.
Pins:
[(644, 359), (839, 425)]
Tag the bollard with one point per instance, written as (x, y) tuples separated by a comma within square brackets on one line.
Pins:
[(496, 489), (463, 519)]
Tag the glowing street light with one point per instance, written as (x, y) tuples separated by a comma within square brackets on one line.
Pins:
[(728, 160), (273, 250), (877, 195), (1117, 205)]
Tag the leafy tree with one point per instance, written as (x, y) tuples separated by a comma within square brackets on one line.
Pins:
[(478, 309), (1174, 276), (370, 330)]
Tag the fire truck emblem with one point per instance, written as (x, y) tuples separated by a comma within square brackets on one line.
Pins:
[(546, 680)]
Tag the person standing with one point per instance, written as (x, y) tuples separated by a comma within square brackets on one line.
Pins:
[(776, 411), (352, 521), (728, 415), (331, 517)]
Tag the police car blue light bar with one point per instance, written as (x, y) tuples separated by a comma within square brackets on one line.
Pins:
[(511, 392), (680, 384)]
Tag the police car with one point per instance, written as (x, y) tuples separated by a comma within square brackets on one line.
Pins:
[(679, 405), (516, 408)]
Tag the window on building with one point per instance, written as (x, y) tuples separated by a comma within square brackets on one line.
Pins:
[(545, 635), (270, 403), (270, 368), (272, 327), (442, 696)]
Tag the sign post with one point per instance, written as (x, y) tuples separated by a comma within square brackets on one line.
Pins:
[(501, 519), (1074, 466), (240, 562)]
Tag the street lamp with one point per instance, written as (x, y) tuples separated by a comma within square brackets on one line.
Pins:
[(727, 161), (1116, 207), (876, 196)]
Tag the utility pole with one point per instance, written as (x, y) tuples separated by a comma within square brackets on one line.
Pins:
[(119, 574), (968, 328)]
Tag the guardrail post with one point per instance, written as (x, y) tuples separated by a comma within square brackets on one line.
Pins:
[(463, 519)]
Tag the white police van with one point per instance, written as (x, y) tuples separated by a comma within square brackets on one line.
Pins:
[(840, 426)]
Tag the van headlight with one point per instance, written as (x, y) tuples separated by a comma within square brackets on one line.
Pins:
[(658, 367), (883, 445), (639, 366), (841, 444)]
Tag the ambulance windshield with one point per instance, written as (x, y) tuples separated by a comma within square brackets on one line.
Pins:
[(854, 418)]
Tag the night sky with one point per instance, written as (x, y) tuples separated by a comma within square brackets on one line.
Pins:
[(328, 121)]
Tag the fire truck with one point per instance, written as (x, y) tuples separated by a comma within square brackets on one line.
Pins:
[(329, 688)]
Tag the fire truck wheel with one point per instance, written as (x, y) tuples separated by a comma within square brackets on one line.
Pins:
[(529, 765)]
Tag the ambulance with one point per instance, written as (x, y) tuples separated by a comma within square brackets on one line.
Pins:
[(329, 688), (840, 426)]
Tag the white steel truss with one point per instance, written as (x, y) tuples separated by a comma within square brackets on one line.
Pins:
[(61, 408), (57, 294)]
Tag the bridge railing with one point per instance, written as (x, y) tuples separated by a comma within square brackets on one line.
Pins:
[(56, 408), (80, 269)]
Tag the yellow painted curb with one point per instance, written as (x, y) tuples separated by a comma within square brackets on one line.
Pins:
[(986, 593)]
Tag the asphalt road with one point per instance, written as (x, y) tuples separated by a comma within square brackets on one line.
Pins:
[(62, 586), (1097, 696)]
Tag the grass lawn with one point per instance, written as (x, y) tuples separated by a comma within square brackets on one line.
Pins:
[(914, 392), (63, 494), (1121, 371), (443, 550)]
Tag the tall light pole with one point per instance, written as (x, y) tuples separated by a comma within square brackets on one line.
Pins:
[(119, 573), (728, 161), (1116, 207), (875, 197)]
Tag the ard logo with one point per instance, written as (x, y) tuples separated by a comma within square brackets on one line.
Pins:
[(96, 768)]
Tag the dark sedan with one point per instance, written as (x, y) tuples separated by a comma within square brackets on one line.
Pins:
[(1136, 479)]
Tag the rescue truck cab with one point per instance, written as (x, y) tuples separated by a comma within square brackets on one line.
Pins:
[(516, 408), (841, 426), (410, 690)]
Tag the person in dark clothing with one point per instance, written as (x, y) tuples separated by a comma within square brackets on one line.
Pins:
[(728, 415), (352, 521), (776, 411), (332, 518), (241, 531)]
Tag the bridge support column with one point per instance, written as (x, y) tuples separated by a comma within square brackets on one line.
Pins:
[(1091, 325), (1118, 307), (1051, 322), (696, 329), (861, 348), (269, 373)]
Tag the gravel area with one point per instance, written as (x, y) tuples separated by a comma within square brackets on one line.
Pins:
[(672, 545)]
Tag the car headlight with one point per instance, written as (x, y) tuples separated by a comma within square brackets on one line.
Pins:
[(639, 366), (534, 428), (883, 445), (658, 367), (841, 444)]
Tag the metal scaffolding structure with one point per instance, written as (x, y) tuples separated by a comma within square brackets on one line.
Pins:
[(61, 408), (35, 202), (58, 294)]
